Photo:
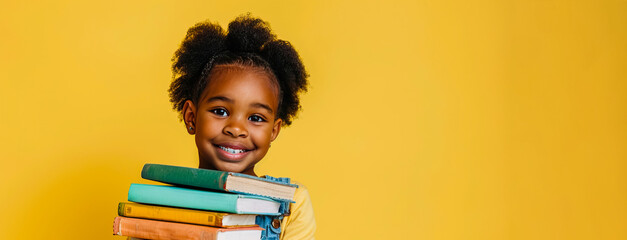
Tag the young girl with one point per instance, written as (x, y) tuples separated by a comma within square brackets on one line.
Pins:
[(234, 91)]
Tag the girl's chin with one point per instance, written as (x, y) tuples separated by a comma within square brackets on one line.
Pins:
[(243, 165), (237, 167)]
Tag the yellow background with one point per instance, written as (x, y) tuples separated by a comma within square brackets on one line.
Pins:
[(424, 120)]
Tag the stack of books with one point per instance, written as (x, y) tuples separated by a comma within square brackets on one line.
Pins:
[(200, 204)]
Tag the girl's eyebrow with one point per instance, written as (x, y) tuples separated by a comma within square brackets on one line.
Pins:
[(261, 105), (226, 99), (219, 98)]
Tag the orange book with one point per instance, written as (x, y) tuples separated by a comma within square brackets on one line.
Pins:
[(151, 229), (182, 215)]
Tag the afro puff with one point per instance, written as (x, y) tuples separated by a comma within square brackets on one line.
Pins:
[(248, 42)]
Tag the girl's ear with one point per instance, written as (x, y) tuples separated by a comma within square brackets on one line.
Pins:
[(276, 128), (189, 116)]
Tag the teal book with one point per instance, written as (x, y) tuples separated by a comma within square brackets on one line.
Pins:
[(220, 181), (202, 200)]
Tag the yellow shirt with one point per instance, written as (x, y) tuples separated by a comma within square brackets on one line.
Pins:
[(300, 224)]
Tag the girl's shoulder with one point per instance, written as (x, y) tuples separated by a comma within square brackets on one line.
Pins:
[(301, 223)]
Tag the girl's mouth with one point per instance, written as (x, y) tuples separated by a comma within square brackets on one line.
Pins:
[(232, 150), (232, 153)]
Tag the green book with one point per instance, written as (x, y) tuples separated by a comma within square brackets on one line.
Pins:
[(202, 200), (219, 180)]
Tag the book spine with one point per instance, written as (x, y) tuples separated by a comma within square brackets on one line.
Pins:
[(170, 214), (202, 178), (151, 229), (183, 197)]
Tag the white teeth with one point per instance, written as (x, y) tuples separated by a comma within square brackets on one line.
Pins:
[(232, 151)]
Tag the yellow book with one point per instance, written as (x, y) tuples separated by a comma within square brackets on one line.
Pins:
[(183, 215)]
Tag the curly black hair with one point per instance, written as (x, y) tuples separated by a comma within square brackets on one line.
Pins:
[(248, 42)]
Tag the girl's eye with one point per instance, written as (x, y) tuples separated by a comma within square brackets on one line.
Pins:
[(256, 118), (220, 112)]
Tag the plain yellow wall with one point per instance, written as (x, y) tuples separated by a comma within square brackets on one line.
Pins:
[(424, 120)]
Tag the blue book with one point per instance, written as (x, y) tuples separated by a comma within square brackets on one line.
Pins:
[(202, 200)]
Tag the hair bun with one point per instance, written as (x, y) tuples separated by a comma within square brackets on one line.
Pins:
[(289, 68), (248, 34), (249, 42)]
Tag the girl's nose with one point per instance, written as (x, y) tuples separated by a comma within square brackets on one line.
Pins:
[(235, 128)]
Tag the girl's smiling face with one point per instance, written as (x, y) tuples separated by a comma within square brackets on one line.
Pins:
[(235, 119)]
